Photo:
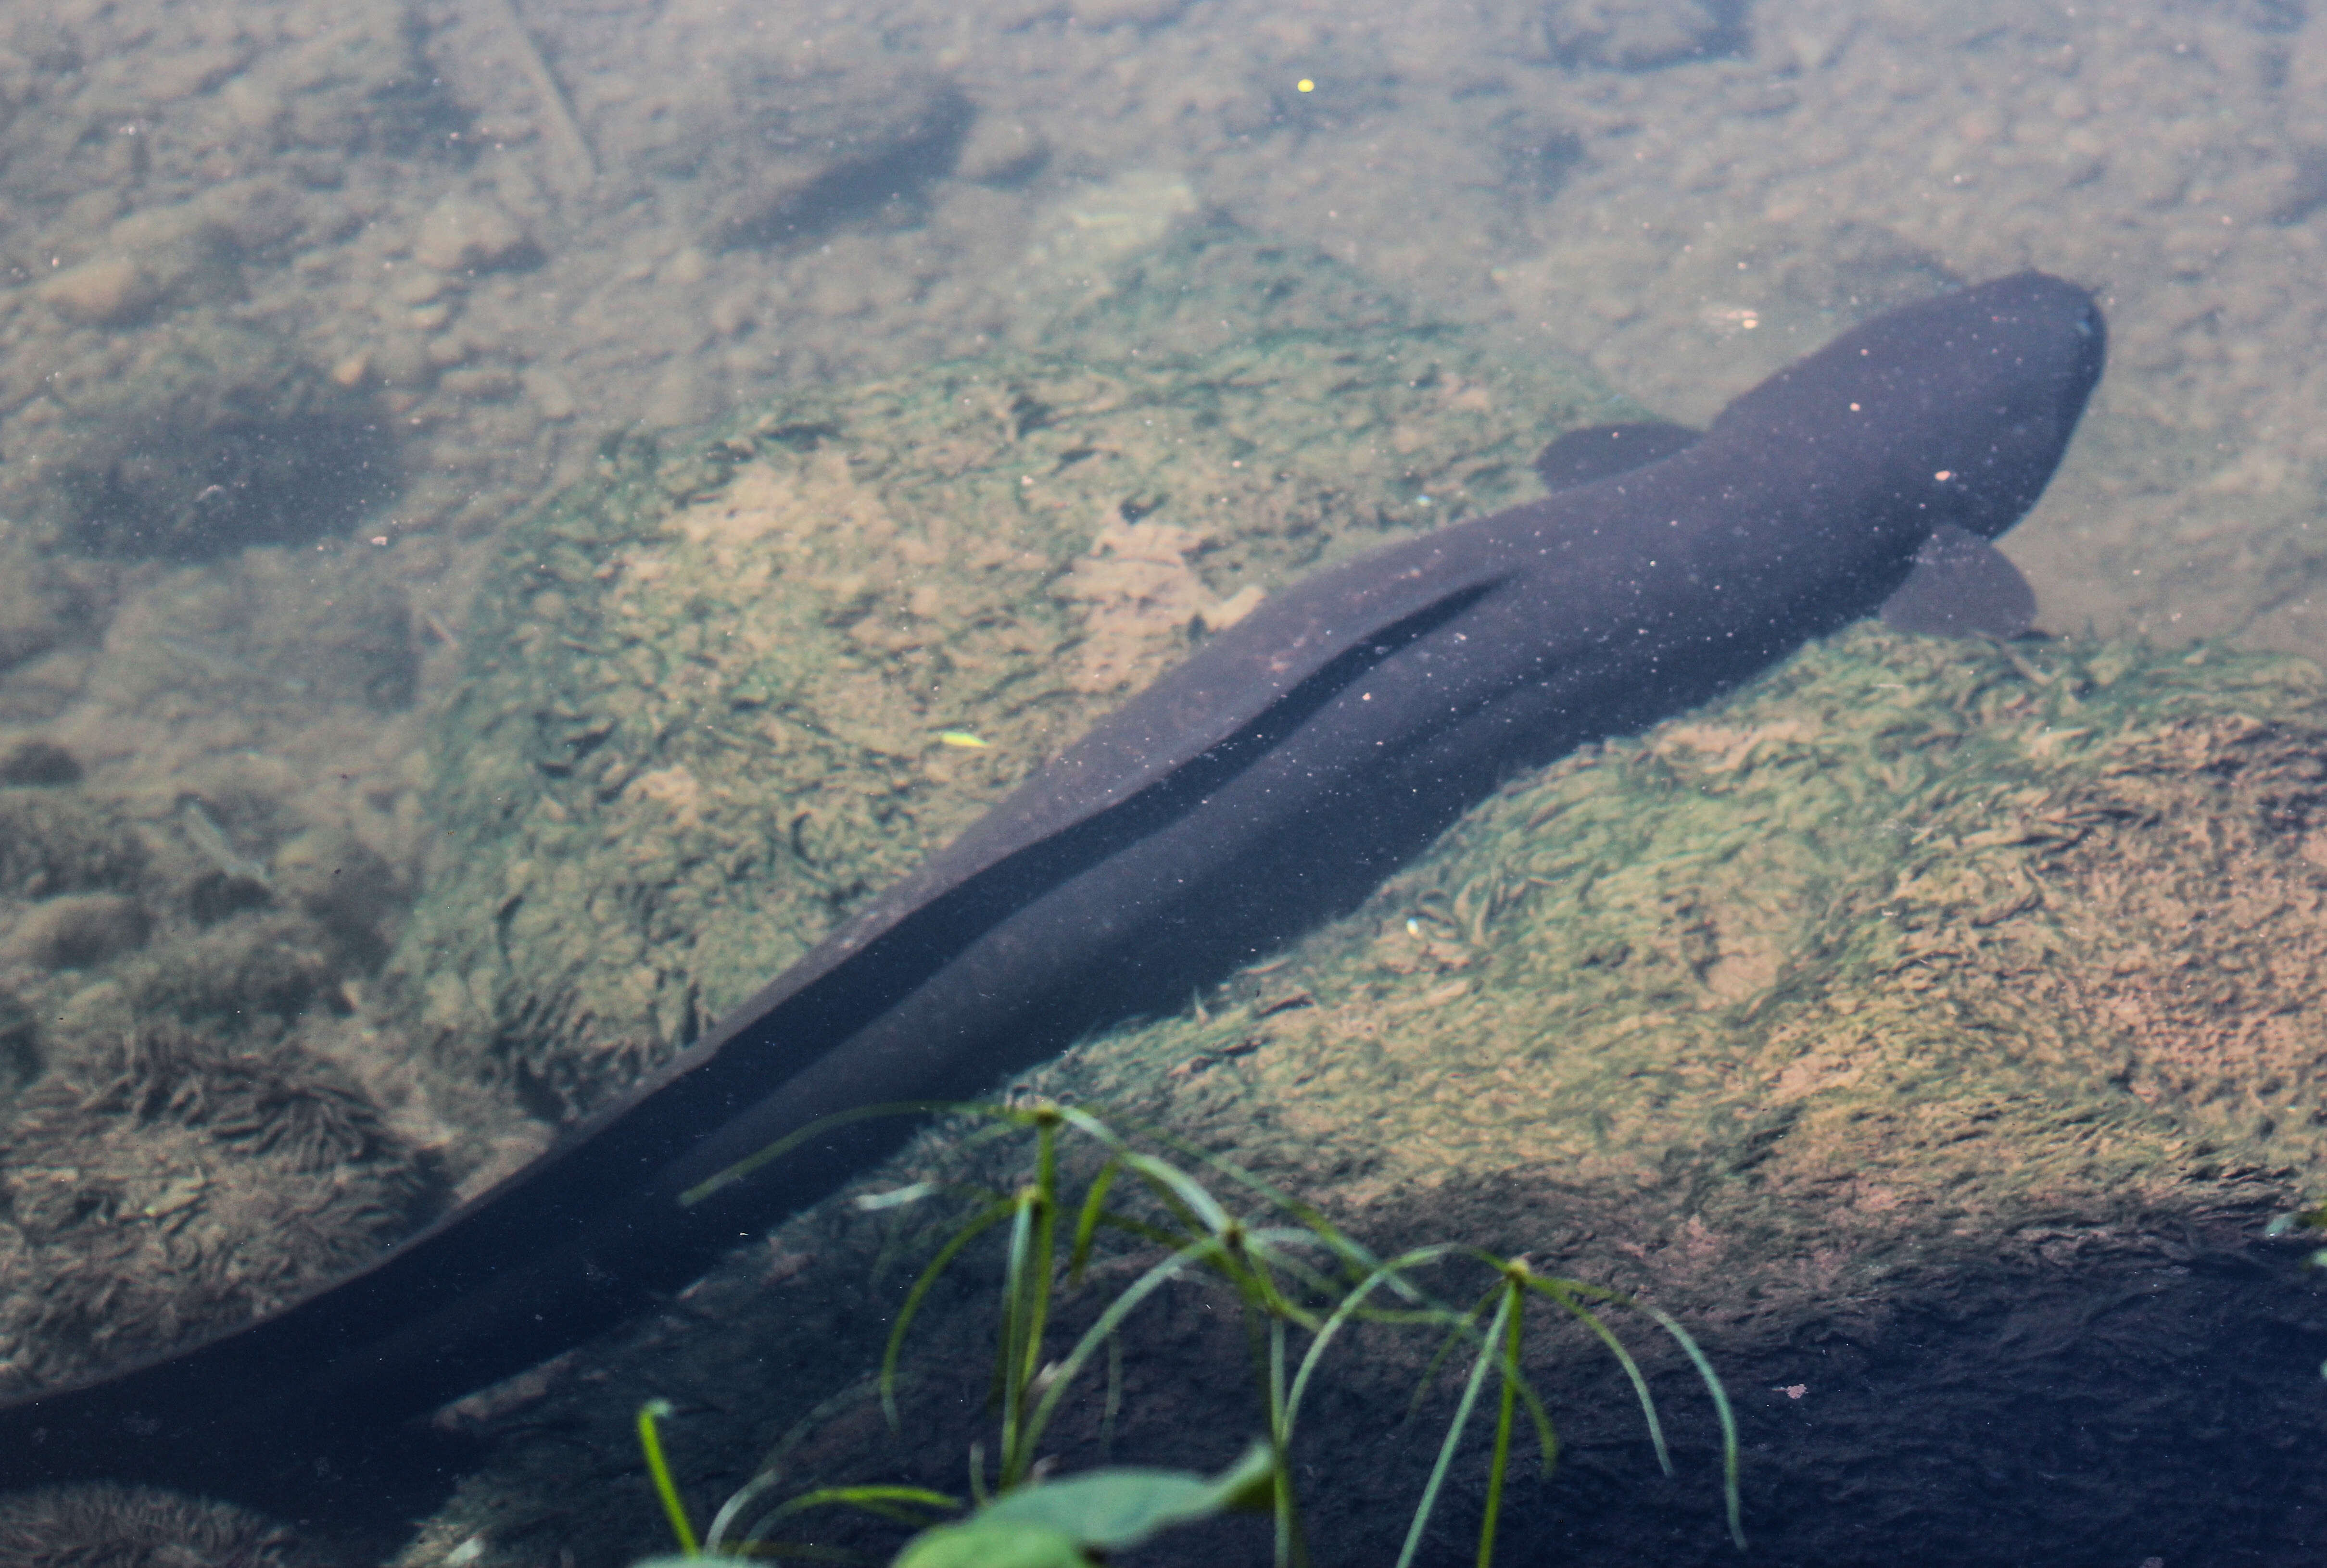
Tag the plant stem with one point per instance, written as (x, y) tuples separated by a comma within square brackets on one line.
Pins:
[(1514, 1311)]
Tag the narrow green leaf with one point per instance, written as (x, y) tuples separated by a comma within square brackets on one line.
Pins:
[(994, 1213), (784, 1146), (658, 1467), (1350, 1307), (1087, 1221), (1464, 1326), (1122, 1307), (1487, 1357), (1720, 1394)]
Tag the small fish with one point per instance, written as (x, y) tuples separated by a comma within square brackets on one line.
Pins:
[(896, 1198), (961, 738), (216, 847)]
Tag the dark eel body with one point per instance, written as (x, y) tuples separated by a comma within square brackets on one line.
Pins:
[(1270, 781)]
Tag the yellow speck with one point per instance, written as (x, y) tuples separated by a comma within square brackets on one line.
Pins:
[(1305, 85), (962, 738)]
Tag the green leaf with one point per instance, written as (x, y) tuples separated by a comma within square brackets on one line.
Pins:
[(980, 1544), (1109, 1510)]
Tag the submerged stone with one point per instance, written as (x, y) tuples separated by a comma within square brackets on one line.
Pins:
[(1931, 1026)]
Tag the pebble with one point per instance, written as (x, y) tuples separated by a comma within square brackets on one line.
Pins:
[(103, 291), (469, 233), (550, 395)]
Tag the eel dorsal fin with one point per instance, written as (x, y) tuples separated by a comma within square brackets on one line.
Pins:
[(1599, 451)]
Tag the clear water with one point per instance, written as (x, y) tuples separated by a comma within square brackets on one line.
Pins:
[(306, 310)]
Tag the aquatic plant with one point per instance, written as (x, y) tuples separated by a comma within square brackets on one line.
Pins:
[(2313, 1218), (1300, 1281)]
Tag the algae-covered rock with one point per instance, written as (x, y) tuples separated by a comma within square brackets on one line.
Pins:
[(170, 1186), (1922, 936), (719, 700), (102, 1526), (194, 1129), (1932, 1027)]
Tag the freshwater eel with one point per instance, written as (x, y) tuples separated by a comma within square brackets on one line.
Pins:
[(1270, 781)]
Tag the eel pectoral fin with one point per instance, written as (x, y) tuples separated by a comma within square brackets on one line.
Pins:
[(1961, 585)]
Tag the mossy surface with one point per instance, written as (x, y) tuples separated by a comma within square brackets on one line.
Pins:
[(1909, 940)]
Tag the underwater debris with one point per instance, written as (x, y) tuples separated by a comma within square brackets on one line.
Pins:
[(573, 166)]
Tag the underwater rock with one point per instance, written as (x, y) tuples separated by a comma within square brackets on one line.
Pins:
[(78, 930), (330, 628), (20, 1034), (342, 885), (37, 610), (39, 763), (716, 701), (1932, 1027), (173, 1159), (786, 152), (1002, 152), (54, 841), (215, 437), (1642, 34), (258, 970), (271, 634), (218, 895), (106, 291), (365, 84), (472, 234), (163, 1186)]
